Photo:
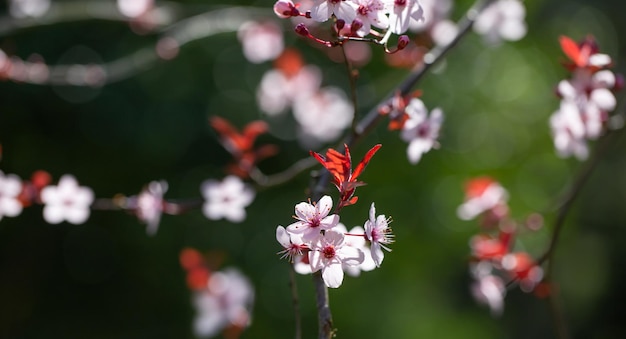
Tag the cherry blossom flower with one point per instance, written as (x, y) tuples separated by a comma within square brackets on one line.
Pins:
[(227, 302), (291, 79), (10, 189), (322, 116), (340, 167), (481, 195), (134, 8), (150, 205), (420, 130), (313, 218), (329, 253), (490, 290), (370, 13), (322, 10), (378, 232), (261, 41), (226, 199), (28, 8), (503, 19), (292, 244), (66, 201), (434, 11), (401, 12), (356, 238)]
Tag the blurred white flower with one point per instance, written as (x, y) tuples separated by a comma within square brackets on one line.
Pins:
[(401, 12), (490, 290), (134, 8), (261, 41), (227, 301), (66, 201), (28, 8), (150, 205), (10, 189), (434, 11), (278, 90), (481, 194), (421, 130), (322, 116), (503, 19), (226, 199), (568, 131)]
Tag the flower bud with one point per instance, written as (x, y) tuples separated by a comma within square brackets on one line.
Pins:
[(403, 41), (301, 29)]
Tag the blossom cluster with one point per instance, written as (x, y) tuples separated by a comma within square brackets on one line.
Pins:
[(495, 261), (586, 98), (322, 113), (223, 299), (318, 241), (70, 202), (418, 128), (358, 16)]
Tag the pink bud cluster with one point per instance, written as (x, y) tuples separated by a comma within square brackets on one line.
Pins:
[(495, 261), (318, 241), (586, 98)]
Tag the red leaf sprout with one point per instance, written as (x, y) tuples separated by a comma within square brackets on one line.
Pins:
[(340, 167)]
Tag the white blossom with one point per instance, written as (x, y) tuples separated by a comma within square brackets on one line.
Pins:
[(313, 218), (378, 232), (66, 201), (261, 41), (150, 205), (421, 130), (322, 10), (226, 199), (503, 19), (10, 189), (329, 253)]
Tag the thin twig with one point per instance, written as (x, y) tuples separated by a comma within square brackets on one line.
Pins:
[(296, 303), (284, 176)]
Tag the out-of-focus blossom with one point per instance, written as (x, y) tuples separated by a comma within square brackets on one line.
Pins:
[(340, 167), (261, 41), (568, 131), (356, 238), (329, 253), (290, 79), (322, 116), (313, 218), (444, 32), (226, 199), (227, 302), (421, 130), (28, 8), (66, 201), (10, 189), (482, 194), (322, 10), (524, 269), (490, 290), (502, 20), (150, 205), (434, 11), (134, 8), (378, 233)]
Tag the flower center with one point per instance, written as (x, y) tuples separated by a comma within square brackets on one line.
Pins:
[(400, 2), (314, 223), (329, 252), (363, 10)]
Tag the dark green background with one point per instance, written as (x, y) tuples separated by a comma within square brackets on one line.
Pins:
[(108, 279)]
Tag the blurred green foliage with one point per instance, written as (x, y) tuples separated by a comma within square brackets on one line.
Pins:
[(107, 279)]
